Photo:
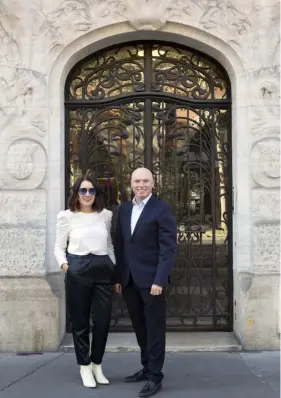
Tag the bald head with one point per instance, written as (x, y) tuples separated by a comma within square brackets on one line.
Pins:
[(142, 183), (142, 172)]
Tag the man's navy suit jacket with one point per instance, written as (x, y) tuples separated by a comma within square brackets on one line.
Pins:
[(149, 253)]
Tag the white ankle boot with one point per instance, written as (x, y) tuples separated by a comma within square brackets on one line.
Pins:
[(87, 376), (98, 374)]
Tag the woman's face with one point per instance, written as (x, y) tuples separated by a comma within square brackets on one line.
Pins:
[(86, 194)]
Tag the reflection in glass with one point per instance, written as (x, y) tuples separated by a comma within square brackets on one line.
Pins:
[(109, 142), (190, 168)]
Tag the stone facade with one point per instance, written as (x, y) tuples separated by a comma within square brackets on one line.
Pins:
[(40, 41)]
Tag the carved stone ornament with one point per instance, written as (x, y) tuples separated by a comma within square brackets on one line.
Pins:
[(268, 91), (23, 161), (146, 14), (265, 162)]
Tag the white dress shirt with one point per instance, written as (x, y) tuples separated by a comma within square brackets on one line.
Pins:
[(83, 233), (137, 210)]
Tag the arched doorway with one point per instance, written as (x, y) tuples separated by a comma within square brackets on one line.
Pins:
[(169, 108)]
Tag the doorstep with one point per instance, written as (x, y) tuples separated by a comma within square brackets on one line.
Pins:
[(175, 342)]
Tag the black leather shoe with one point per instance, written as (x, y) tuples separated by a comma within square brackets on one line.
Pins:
[(136, 377), (150, 388)]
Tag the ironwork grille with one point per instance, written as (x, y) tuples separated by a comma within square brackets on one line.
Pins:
[(167, 108)]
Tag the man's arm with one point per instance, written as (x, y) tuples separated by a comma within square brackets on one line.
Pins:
[(118, 247), (167, 238)]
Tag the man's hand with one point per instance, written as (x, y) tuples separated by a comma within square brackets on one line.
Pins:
[(118, 288), (156, 290)]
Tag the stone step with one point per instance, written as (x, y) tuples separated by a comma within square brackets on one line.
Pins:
[(176, 342)]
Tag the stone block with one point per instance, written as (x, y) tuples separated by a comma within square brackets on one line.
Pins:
[(24, 164), (266, 248), (256, 310), (29, 316), (265, 205), (22, 250), (265, 162), (26, 207)]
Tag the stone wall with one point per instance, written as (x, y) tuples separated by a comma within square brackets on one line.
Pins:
[(39, 42)]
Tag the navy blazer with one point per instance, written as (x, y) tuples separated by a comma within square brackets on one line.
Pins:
[(149, 253)]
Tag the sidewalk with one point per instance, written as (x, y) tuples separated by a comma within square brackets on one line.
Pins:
[(187, 375), (175, 342)]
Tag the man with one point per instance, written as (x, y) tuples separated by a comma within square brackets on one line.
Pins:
[(146, 238)]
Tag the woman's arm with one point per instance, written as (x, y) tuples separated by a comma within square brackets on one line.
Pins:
[(62, 234), (110, 247)]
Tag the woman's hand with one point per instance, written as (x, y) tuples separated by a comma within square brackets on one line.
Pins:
[(118, 288), (64, 267)]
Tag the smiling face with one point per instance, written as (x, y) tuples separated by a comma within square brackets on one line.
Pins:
[(142, 183), (86, 195)]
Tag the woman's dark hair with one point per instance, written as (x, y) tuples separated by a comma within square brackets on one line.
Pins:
[(73, 201)]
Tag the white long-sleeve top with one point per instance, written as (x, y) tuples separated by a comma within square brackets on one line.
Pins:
[(83, 233)]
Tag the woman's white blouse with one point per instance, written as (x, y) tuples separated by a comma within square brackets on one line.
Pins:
[(83, 233)]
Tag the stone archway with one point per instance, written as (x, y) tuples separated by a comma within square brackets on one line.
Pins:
[(36, 60), (183, 35)]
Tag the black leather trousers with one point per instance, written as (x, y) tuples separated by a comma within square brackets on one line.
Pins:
[(89, 288)]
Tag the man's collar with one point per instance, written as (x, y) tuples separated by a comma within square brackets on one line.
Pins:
[(144, 201)]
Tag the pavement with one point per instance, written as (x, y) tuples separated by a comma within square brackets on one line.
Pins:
[(175, 342), (187, 375)]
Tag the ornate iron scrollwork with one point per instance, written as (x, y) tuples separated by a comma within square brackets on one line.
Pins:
[(106, 75), (183, 72), (168, 108)]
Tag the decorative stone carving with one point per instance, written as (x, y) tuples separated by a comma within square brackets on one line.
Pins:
[(228, 15), (37, 31), (264, 49), (264, 127), (266, 248), (245, 26), (9, 47), (41, 28), (265, 162), (154, 14), (110, 9), (22, 97), (180, 9), (146, 15), (64, 21), (265, 204), (268, 91), (264, 97), (265, 85), (22, 161)]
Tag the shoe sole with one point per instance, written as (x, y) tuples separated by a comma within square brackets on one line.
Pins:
[(89, 386), (150, 395)]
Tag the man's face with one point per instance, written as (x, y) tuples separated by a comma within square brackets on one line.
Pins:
[(142, 184)]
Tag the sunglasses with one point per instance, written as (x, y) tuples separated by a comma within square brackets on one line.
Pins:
[(83, 191)]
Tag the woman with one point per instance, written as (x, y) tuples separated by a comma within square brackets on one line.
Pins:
[(84, 251)]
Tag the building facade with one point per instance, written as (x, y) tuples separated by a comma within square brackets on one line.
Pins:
[(187, 88)]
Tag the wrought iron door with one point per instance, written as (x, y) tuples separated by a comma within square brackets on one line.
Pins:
[(167, 108)]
